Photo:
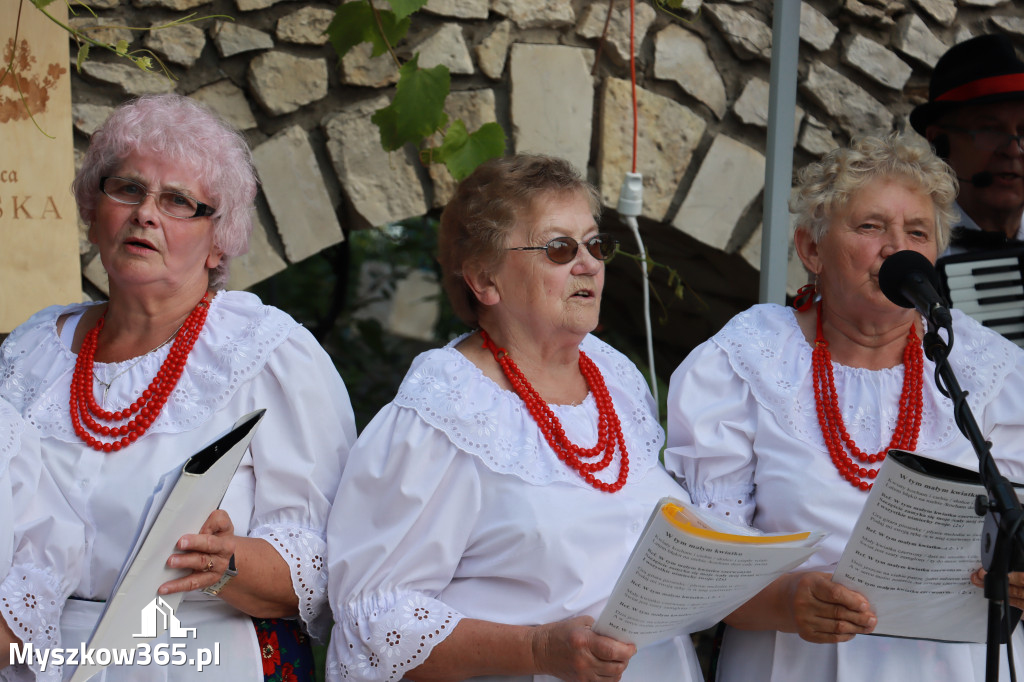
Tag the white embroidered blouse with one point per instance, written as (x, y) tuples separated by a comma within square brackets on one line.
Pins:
[(743, 436), (453, 505), (247, 356), (40, 545)]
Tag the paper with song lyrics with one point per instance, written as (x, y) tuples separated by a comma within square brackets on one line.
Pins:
[(689, 569), (915, 545)]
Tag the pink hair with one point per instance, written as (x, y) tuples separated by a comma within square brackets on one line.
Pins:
[(182, 129)]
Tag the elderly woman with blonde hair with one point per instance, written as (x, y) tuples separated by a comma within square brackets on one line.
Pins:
[(781, 419), (123, 391)]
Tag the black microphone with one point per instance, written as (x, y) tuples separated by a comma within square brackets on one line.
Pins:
[(909, 280), (979, 180)]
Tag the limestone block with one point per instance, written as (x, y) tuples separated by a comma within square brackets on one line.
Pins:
[(817, 138), (446, 46), (178, 44), (415, 305), (730, 178), (668, 135), (104, 4), (850, 105), (295, 191), (983, 3), (877, 62), (748, 36), (474, 108), (87, 118), (128, 77), (382, 187), (942, 11), (815, 28), (1014, 25), (305, 26), (492, 52), (260, 263), (691, 6), (231, 39), (536, 13), (682, 56), (228, 100), (752, 106), (460, 9), (552, 115), (283, 83), (97, 275), (250, 5), (962, 34), (869, 13), (914, 39), (102, 29), (751, 251), (358, 67), (592, 23), (176, 5)]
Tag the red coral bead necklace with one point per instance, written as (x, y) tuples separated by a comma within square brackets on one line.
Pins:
[(830, 418), (609, 429), (85, 410)]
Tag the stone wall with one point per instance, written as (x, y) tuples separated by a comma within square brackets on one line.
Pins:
[(540, 68)]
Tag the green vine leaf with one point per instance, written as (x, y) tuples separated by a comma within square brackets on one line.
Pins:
[(83, 54), (41, 3), (121, 48), (461, 152), (403, 8), (354, 23), (417, 110)]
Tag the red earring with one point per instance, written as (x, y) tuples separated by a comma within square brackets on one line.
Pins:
[(805, 297)]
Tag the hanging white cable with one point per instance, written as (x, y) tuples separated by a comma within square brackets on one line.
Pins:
[(631, 199)]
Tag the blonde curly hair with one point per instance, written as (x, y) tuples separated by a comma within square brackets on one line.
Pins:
[(825, 187)]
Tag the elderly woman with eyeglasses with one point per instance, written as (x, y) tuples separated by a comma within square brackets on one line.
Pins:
[(486, 512), (125, 390)]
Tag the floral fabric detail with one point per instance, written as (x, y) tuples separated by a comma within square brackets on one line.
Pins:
[(285, 650), (451, 394), (232, 348), (30, 603), (400, 632), (305, 552), (767, 349)]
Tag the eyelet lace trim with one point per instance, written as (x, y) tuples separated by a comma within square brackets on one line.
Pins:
[(31, 606), (305, 551), (451, 394), (767, 349), (239, 336), (389, 634)]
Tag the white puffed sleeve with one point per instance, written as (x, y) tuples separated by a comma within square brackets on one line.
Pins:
[(712, 418), (298, 455), (45, 549), (400, 525)]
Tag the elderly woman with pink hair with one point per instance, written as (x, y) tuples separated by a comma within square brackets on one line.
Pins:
[(125, 390)]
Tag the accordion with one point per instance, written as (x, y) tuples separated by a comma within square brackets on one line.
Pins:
[(988, 286)]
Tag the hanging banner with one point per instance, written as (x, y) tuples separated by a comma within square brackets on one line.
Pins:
[(39, 259)]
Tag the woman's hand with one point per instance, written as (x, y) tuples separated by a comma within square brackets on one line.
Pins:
[(1016, 586), (207, 554), (825, 612), (571, 651)]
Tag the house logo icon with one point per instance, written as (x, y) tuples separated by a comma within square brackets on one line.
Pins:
[(158, 616)]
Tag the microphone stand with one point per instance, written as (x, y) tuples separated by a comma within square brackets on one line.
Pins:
[(1002, 538)]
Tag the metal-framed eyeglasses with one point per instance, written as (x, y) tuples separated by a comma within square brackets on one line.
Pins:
[(174, 204), (987, 139), (563, 250)]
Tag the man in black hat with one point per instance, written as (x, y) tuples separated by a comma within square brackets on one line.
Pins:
[(974, 119)]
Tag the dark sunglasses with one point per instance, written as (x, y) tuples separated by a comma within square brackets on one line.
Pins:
[(563, 250)]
